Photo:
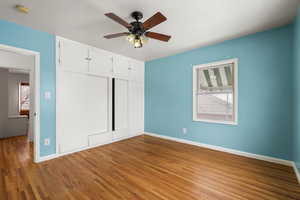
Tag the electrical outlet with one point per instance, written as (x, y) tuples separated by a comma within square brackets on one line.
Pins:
[(184, 131), (47, 142)]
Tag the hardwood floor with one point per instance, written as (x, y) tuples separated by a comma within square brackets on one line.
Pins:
[(143, 167)]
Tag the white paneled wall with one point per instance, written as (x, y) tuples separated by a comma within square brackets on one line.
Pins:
[(84, 96)]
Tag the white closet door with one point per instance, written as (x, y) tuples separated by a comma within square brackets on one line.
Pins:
[(140, 107), (137, 71), (121, 108), (136, 98), (71, 104), (96, 105), (100, 63), (132, 108), (73, 56), (136, 107), (121, 66)]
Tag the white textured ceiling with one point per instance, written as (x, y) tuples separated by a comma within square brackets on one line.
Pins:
[(192, 23)]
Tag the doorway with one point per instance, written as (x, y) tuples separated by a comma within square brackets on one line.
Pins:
[(19, 99)]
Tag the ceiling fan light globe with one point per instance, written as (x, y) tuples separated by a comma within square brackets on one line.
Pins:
[(130, 38), (137, 43)]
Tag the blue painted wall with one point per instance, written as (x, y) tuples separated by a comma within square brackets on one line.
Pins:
[(297, 92), (27, 38), (265, 64), (265, 94)]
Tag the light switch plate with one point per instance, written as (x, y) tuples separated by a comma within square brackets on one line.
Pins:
[(47, 95), (47, 142)]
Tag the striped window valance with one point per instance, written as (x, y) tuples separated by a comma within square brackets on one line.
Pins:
[(215, 78)]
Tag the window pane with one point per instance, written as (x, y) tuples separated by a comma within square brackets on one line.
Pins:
[(215, 93), (24, 97), (215, 106)]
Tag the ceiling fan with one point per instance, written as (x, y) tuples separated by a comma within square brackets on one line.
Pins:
[(138, 32)]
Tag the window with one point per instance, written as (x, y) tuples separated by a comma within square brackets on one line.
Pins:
[(215, 92), (24, 97)]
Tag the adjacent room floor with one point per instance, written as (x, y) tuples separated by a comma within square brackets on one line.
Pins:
[(143, 167)]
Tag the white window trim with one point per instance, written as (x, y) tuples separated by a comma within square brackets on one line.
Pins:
[(235, 96)]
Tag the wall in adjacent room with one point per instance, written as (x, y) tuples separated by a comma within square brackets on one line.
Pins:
[(14, 80), (297, 92), (3, 100), (265, 92), (23, 37), (16, 125)]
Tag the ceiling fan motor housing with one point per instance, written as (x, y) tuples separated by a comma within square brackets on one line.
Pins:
[(137, 26)]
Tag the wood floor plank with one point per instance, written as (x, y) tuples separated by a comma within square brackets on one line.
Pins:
[(141, 168)]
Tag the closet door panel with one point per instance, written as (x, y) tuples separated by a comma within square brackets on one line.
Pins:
[(71, 103), (100, 63), (137, 71), (140, 107), (121, 104), (121, 66), (96, 105), (73, 56), (121, 108), (132, 107), (136, 106)]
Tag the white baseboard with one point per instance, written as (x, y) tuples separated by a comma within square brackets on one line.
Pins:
[(45, 158), (56, 155), (296, 172), (227, 150)]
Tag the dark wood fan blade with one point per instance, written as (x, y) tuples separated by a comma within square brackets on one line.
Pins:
[(116, 35), (154, 20), (158, 36), (118, 20)]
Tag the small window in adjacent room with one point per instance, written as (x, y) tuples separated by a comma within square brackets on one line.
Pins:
[(24, 97), (215, 92)]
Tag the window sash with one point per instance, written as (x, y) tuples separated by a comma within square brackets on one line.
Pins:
[(228, 113), (225, 107), (23, 111)]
